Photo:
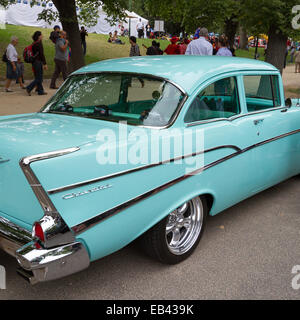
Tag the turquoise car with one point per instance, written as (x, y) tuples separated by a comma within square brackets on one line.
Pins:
[(140, 148)]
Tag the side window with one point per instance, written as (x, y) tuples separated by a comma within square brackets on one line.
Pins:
[(276, 90), (262, 92), (218, 100)]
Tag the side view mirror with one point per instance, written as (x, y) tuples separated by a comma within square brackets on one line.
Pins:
[(288, 102)]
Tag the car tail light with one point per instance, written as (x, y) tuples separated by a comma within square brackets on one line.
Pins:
[(38, 232)]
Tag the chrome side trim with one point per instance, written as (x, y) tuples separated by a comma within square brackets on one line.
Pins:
[(271, 140), (192, 124), (12, 237), (56, 230), (121, 173), (84, 226)]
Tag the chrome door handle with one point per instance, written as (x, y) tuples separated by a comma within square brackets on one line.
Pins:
[(256, 122)]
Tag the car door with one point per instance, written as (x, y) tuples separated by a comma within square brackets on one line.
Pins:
[(276, 151), (218, 112)]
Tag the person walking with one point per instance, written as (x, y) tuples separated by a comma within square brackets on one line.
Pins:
[(21, 67), (61, 58), (293, 50), (54, 35), (83, 35), (13, 71), (148, 30), (135, 49), (38, 65), (140, 28), (201, 46), (297, 61), (223, 50)]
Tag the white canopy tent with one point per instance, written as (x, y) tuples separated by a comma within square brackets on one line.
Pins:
[(23, 14)]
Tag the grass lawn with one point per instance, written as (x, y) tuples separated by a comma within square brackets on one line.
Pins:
[(97, 48)]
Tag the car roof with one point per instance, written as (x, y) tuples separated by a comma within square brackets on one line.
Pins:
[(185, 71)]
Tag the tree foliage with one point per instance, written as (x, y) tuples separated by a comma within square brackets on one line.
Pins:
[(87, 15), (194, 13), (88, 12), (259, 16)]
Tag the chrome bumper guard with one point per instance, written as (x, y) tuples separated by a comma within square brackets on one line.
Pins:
[(40, 265)]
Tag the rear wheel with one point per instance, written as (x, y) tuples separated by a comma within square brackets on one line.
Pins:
[(174, 238)]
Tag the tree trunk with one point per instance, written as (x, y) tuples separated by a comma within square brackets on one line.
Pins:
[(276, 48), (231, 26), (69, 21), (243, 39)]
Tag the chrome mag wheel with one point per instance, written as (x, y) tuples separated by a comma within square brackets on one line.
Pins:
[(174, 238), (184, 226)]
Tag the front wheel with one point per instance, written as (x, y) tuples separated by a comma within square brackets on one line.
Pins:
[(174, 238)]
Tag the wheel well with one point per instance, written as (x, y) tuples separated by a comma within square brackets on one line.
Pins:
[(210, 201)]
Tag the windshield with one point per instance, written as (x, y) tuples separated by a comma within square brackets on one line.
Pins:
[(137, 99)]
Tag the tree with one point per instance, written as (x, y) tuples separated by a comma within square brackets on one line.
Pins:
[(273, 17), (243, 38), (88, 15), (190, 14)]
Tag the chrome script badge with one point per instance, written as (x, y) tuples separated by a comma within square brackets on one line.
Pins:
[(83, 193)]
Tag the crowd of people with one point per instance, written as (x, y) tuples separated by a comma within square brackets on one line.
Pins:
[(143, 30), (293, 47), (201, 45), (114, 38), (34, 54)]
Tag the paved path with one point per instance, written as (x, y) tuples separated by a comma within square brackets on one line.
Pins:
[(18, 102), (290, 78)]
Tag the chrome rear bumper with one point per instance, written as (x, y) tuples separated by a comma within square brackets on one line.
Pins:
[(39, 265)]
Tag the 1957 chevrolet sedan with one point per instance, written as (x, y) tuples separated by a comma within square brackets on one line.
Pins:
[(143, 147)]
